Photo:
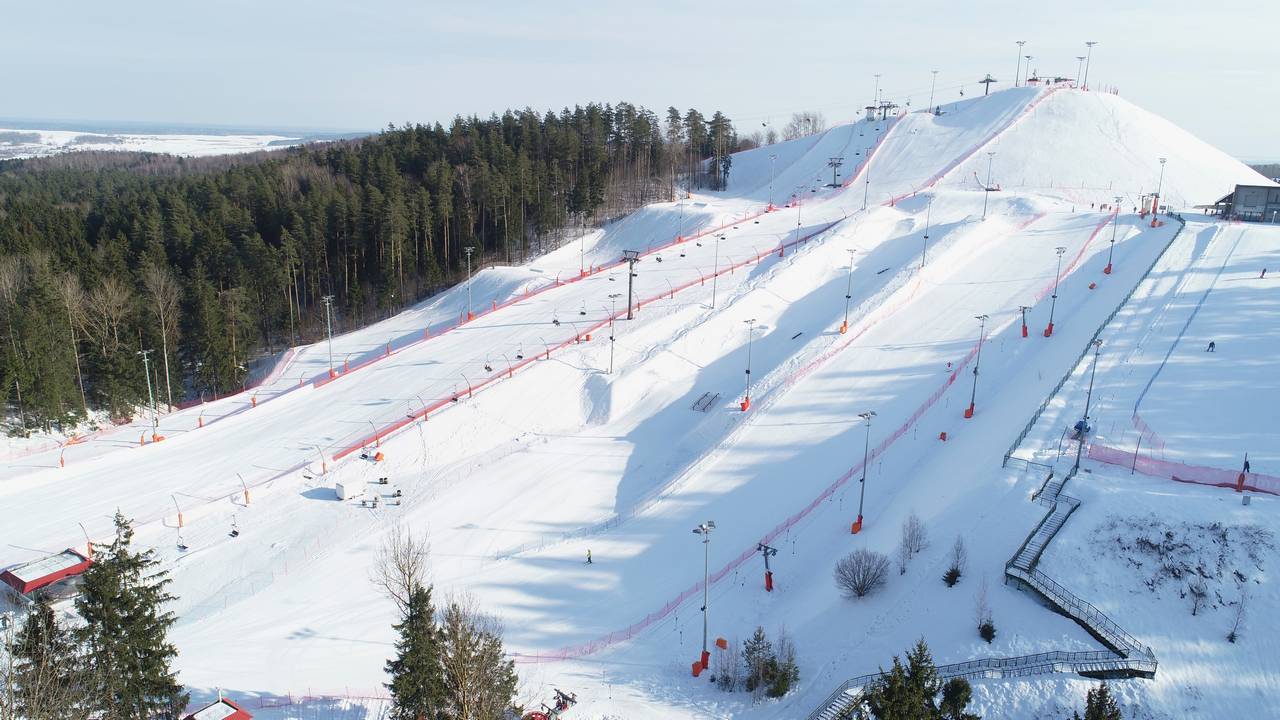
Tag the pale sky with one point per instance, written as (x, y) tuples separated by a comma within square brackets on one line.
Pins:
[(360, 64)]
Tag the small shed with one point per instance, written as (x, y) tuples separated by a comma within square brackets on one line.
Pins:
[(223, 709), (43, 572)]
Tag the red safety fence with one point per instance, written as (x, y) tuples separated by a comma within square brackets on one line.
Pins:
[(276, 372), (580, 335), (1148, 437), (1183, 472)]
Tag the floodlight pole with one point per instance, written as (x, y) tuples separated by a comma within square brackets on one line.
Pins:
[(1155, 209), (1097, 349), (1115, 222), (977, 362), (746, 398), (328, 323), (1018, 72), (932, 86), (1057, 278), (772, 159), (631, 257), (862, 482), (613, 313), (715, 270), (704, 530), (1088, 59), (151, 401), (468, 250), (848, 293), (986, 189)]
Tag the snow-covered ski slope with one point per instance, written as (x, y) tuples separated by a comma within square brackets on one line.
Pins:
[(545, 453)]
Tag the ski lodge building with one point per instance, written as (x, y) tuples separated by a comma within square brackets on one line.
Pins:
[(45, 572), (223, 709), (1257, 203)]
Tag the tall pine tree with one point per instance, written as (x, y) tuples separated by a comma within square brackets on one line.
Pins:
[(125, 634), (417, 682), (48, 673)]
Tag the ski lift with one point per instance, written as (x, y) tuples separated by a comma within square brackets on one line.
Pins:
[(583, 310), (658, 258), (555, 318), (383, 481), (235, 529), (520, 353), (487, 366), (182, 546)]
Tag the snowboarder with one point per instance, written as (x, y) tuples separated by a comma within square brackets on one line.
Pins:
[(1246, 465), (1212, 346), (1263, 276), (588, 556)]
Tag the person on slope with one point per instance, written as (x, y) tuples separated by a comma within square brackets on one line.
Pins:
[(1212, 346), (588, 556)]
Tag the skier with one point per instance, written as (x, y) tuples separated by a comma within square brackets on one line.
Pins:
[(1212, 346), (588, 556), (1246, 465), (1263, 275)]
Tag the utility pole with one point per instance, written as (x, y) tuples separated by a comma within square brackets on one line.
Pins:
[(932, 86), (1097, 349), (924, 248), (151, 400), (746, 397), (613, 313), (866, 190), (986, 84), (704, 530), (1057, 278), (328, 323), (848, 293), (986, 190), (1023, 309), (1027, 79), (767, 551), (630, 257), (835, 163), (1018, 73), (468, 250), (977, 362), (1115, 221), (862, 483), (1088, 60)]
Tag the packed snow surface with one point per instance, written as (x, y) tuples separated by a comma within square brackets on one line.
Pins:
[(539, 444)]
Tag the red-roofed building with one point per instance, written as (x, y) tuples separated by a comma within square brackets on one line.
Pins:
[(43, 572), (224, 709)]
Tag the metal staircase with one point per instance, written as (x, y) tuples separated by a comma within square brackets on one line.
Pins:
[(1125, 656)]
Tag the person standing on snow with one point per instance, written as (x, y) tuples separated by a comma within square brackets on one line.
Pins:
[(588, 556), (1212, 346)]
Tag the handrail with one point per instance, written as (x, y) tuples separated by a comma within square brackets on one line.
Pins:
[(1035, 417)]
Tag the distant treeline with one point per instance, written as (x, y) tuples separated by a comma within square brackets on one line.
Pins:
[(210, 262), (1271, 170)]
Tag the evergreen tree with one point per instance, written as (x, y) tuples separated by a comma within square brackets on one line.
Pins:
[(122, 602), (758, 659), (910, 692), (48, 675), (1100, 705), (417, 681)]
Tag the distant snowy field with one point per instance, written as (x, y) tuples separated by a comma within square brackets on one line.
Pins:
[(15, 143)]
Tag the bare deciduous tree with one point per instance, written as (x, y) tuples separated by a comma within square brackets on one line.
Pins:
[(1198, 591), (728, 670), (107, 310), (479, 680), (1241, 611), (861, 572), (805, 123), (72, 297), (959, 558), (165, 294), (914, 536), (401, 565), (982, 612)]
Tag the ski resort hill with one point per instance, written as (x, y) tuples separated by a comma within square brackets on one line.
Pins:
[(570, 405)]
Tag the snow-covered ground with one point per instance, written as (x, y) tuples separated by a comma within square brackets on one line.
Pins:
[(23, 143), (515, 481)]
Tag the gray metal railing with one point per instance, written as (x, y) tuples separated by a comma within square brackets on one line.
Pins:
[(1035, 417)]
